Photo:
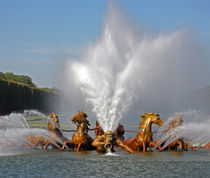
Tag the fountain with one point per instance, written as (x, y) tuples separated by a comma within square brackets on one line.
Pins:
[(15, 131), (126, 72), (128, 67), (106, 143), (194, 130)]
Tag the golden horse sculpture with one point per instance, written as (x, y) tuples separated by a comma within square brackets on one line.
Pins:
[(207, 146), (108, 141), (182, 143), (144, 138), (55, 132), (176, 122), (119, 132), (80, 140)]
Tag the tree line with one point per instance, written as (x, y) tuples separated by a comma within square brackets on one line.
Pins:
[(17, 78)]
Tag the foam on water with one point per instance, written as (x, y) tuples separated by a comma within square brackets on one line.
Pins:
[(109, 153)]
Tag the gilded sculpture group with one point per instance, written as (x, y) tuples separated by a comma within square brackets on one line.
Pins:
[(108, 140)]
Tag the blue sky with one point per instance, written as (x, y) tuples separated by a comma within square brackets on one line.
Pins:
[(33, 32)]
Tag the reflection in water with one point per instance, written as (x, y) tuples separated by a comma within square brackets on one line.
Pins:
[(176, 153), (145, 154)]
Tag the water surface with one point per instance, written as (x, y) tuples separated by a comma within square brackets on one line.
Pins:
[(91, 164)]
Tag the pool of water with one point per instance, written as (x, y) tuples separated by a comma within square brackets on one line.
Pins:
[(51, 163)]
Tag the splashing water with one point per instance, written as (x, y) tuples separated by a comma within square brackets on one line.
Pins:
[(35, 113), (128, 66), (14, 132), (195, 130), (109, 153)]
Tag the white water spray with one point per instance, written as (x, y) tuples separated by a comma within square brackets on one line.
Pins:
[(14, 132), (128, 66), (109, 153), (195, 129)]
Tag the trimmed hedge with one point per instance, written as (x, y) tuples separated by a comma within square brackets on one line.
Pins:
[(16, 97), (17, 78)]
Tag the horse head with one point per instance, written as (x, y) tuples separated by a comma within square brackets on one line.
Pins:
[(150, 118), (79, 118), (52, 114), (177, 121)]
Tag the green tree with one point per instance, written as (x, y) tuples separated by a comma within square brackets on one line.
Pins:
[(19, 78), (2, 76), (9, 76)]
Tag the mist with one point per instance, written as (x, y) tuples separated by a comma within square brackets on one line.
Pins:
[(130, 70)]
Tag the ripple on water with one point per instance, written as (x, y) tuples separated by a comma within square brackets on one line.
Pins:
[(91, 164)]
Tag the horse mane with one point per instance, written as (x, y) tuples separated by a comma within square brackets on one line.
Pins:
[(177, 121), (81, 117), (142, 122), (145, 117)]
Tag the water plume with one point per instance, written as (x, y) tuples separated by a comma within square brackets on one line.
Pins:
[(130, 67), (14, 132), (194, 129)]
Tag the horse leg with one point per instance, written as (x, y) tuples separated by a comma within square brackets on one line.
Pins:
[(33, 141), (64, 143), (151, 145), (193, 148), (180, 144), (159, 148), (185, 146), (46, 145), (78, 147), (144, 147), (169, 147)]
